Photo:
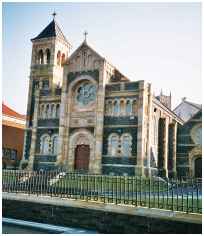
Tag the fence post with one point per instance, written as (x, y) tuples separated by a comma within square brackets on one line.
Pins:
[(149, 185)]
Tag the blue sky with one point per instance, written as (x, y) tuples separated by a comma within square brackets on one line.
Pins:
[(156, 42)]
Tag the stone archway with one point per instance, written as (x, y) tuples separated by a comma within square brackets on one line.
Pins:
[(81, 151), (73, 87), (196, 153)]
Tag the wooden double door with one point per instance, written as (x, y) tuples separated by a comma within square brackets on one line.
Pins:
[(82, 156)]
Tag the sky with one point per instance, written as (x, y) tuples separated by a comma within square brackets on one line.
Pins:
[(156, 42)]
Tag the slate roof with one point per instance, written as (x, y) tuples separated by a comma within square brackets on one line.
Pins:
[(185, 110), (52, 30), (199, 106)]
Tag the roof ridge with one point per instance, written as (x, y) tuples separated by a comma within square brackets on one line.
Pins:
[(199, 106)]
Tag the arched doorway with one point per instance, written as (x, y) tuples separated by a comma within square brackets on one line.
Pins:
[(82, 156), (195, 162), (81, 151), (198, 167)]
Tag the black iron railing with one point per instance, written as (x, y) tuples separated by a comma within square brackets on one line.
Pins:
[(172, 194)]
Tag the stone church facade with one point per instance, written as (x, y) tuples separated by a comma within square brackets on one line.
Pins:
[(84, 115)]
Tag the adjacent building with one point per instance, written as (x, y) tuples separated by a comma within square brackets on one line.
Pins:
[(13, 126), (189, 139)]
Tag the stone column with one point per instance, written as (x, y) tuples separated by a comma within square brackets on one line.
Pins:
[(34, 132), (27, 119), (149, 128), (174, 142), (139, 169), (163, 147), (165, 143), (60, 156), (24, 146), (131, 104), (96, 166), (63, 136)]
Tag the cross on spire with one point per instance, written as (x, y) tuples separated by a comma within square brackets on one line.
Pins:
[(54, 14), (85, 35)]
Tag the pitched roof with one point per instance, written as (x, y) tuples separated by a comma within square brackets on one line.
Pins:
[(199, 106), (84, 44), (7, 111), (187, 109), (52, 30)]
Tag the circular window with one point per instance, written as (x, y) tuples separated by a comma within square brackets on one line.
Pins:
[(196, 135), (85, 94)]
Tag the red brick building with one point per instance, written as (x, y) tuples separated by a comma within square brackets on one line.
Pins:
[(13, 126)]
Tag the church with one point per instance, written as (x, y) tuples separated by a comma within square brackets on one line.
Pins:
[(84, 115)]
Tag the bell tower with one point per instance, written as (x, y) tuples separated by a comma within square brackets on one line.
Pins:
[(50, 50)]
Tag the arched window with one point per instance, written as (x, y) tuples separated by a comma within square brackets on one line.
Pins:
[(55, 145), (53, 112), (47, 111), (134, 107), (122, 107), (50, 111), (126, 145), (128, 107), (40, 57), (57, 110), (44, 144), (116, 108), (108, 110), (58, 58), (47, 56), (113, 144), (42, 111), (63, 59)]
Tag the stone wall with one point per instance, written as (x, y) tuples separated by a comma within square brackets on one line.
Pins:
[(103, 218)]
